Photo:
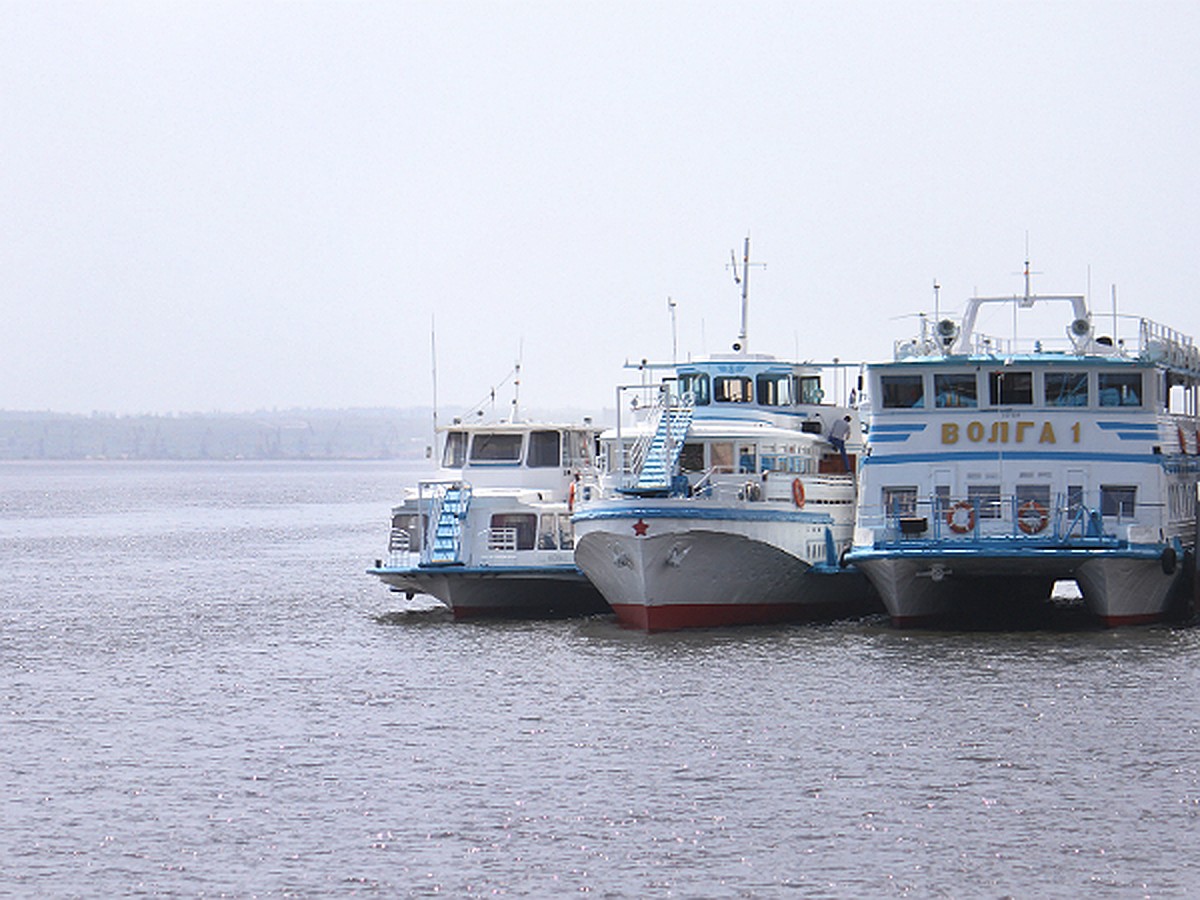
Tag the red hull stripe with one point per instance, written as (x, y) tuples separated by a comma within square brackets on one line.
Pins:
[(706, 615), (1144, 619)]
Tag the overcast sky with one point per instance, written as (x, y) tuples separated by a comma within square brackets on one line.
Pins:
[(239, 206)]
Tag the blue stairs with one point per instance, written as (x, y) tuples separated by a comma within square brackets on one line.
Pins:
[(450, 513), (663, 452)]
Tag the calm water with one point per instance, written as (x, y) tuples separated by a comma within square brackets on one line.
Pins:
[(201, 693)]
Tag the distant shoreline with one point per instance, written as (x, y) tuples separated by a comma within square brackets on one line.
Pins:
[(295, 434)]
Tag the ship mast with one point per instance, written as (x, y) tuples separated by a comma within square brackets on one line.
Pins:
[(743, 343)]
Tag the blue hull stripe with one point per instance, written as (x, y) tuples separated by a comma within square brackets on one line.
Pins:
[(723, 514), (560, 571), (897, 426), (979, 551), (1151, 427), (1015, 455)]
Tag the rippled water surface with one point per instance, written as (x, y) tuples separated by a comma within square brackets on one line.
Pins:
[(202, 693)]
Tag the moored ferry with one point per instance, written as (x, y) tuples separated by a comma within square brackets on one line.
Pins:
[(491, 535), (725, 502), (996, 467)]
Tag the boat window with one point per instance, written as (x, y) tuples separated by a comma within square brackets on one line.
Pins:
[(566, 533), (986, 499), (733, 389), (455, 453), (1009, 388), (900, 501), (1038, 493), (747, 458), (1074, 499), (544, 449), (1118, 500), (955, 391), (720, 455), (774, 390), (548, 532), (580, 449), (490, 447), (691, 458), (406, 533), (1120, 388), (902, 392), (513, 531), (696, 384), (808, 389), (1066, 388)]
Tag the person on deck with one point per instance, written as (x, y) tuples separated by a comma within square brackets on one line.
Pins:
[(837, 437)]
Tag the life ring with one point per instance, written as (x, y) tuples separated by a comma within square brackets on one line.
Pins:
[(1032, 517), (1182, 441), (955, 522), (571, 498), (798, 492)]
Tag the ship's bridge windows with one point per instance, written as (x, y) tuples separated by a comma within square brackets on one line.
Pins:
[(955, 390), (455, 452), (496, 447), (544, 450), (1120, 388), (1066, 388), (512, 531), (808, 389), (1010, 388), (1118, 500), (733, 389), (902, 391), (774, 390), (696, 384), (900, 500), (986, 499)]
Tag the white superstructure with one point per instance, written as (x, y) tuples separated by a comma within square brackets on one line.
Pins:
[(492, 533), (996, 467)]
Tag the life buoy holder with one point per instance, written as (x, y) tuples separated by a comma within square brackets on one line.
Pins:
[(571, 498), (798, 493), (959, 524), (1032, 517)]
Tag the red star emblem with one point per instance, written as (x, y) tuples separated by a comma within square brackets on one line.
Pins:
[(640, 528)]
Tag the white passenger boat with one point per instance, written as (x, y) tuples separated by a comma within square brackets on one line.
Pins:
[(996, 467), (728, 505), (491, 535)]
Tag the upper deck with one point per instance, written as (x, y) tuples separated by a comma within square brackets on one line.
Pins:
[(954, 369)]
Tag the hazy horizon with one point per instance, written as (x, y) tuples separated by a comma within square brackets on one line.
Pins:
[(241, 206)]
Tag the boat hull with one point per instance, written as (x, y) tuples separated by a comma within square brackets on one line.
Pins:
[(931, 588), (482, 592), (697, 578)]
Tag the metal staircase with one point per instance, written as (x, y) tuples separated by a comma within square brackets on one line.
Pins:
[(661, 453), (448, 513)]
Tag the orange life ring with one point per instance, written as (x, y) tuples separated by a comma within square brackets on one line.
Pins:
[(798, 492), (1032, 517), (571, 498), (953, 520)]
